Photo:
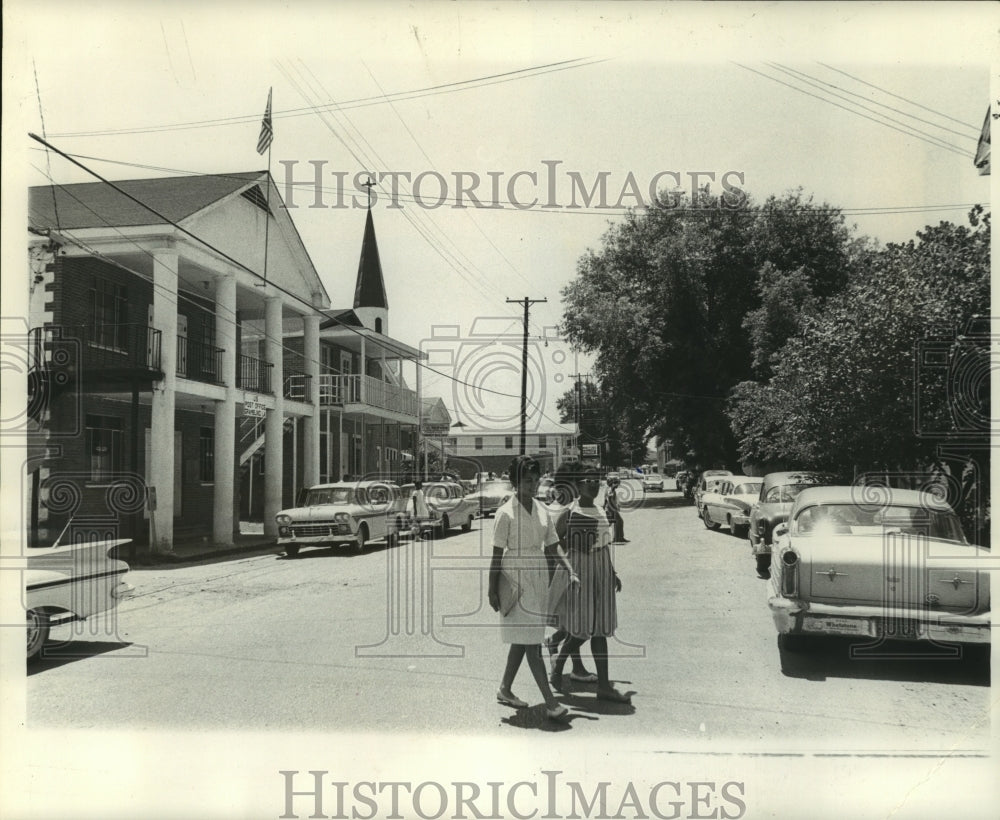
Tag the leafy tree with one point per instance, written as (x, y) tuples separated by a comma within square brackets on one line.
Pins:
[(665, 301)]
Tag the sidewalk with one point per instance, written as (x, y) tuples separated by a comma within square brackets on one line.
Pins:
[(201, 548)]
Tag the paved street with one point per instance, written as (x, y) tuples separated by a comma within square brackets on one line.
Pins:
[(260, 641)]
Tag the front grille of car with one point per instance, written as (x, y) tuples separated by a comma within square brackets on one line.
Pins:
[(315, 530)]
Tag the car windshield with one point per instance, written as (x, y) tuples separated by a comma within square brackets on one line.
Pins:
[(785, 493), (329, 495), (851, 519), (495, 487), (747, 488)]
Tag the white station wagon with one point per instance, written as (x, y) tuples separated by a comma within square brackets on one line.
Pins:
[(344, 513), (878, 564)]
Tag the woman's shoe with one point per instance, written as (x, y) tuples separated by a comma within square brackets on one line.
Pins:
[(556, 714), (508, 699), (583, 677)]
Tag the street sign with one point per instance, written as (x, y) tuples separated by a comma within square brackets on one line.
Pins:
[(253, 409), (434, 430), (590, 450)]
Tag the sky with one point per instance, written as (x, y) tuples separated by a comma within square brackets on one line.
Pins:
[(627, 89), (620, 92)]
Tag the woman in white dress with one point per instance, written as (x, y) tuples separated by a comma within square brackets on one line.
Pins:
[(519, 582)]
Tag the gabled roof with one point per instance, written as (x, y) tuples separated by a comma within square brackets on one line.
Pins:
[(340, 318), (98, 205), (370, 288)]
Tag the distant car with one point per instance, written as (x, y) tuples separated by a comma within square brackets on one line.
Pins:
[(898, 568), (709, 481), (614, 475), (345, 513), (729, 504), (448, 506), (546, 492), (680, 479), (652, 482), (70, 583), (777, 492), (491, 495)]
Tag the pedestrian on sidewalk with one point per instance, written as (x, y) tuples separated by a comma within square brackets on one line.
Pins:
[(519, 583), (586, 609), (613, 511)]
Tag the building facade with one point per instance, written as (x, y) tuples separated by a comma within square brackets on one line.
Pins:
[(475, 451), (186, 363)]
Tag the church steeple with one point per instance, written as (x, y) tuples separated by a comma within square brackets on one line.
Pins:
[(370, 303)]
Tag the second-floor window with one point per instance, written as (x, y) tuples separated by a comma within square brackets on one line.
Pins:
[(109, 313), (508, 442), (479, 442), (542, 443)]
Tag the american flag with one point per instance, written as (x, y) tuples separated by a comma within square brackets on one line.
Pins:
[(266, 129)]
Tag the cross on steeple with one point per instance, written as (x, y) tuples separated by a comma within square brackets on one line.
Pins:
[(369, 184)]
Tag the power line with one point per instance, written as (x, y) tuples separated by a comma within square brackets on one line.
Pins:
[(908, 133), (899, 97), (361, 102)]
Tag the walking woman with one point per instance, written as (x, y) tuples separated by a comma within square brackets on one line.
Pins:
[(519, 582), (587, 609)]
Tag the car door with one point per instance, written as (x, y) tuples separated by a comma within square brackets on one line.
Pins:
[(715, 501)]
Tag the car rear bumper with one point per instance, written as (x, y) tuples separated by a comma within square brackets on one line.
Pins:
[(796, 617)]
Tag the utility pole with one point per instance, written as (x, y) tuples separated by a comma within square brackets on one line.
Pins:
[(524, 365)]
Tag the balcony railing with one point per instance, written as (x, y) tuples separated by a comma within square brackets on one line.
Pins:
[(198, 361), (366, 391), (297, 387), (254, 374), (107, 349)]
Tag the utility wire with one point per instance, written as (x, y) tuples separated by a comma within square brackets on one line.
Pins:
[(898, 97), (361, 102)]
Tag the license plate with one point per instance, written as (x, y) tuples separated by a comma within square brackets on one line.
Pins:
[(896, 628), (838, 625)]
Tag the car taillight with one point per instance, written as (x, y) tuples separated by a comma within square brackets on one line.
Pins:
[(789, 573)]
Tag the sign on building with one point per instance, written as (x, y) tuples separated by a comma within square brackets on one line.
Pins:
[(590, 450), (432, 430), (253, 409)]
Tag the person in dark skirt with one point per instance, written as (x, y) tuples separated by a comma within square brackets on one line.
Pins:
[(586, 607)]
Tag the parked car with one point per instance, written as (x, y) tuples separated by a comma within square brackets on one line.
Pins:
[(729, 504), (546, 492), (652, 482), (345, 513), (898, 569), (491, 495), (777, 492), (709, 482), (614, 475), (70, 583), (448, 506)]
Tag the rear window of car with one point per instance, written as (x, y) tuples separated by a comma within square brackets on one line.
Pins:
[(850, 519), (784, 493), (747, 487)]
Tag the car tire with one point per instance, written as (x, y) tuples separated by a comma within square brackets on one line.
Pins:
[(708, 519), (38, 632), (763, 562), (362, 539), (291, 550), (468, 524)]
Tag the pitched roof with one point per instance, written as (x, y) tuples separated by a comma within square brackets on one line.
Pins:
[(370, 289), (98, 205)]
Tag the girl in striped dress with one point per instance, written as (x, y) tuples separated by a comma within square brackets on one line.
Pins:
[(586, 610)]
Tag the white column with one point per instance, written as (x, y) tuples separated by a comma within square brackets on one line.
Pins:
[(161, 466), (274, 423), (363, 386), (310, 436), (225, 413)]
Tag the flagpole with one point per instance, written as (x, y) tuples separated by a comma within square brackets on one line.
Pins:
[(267, 196)]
